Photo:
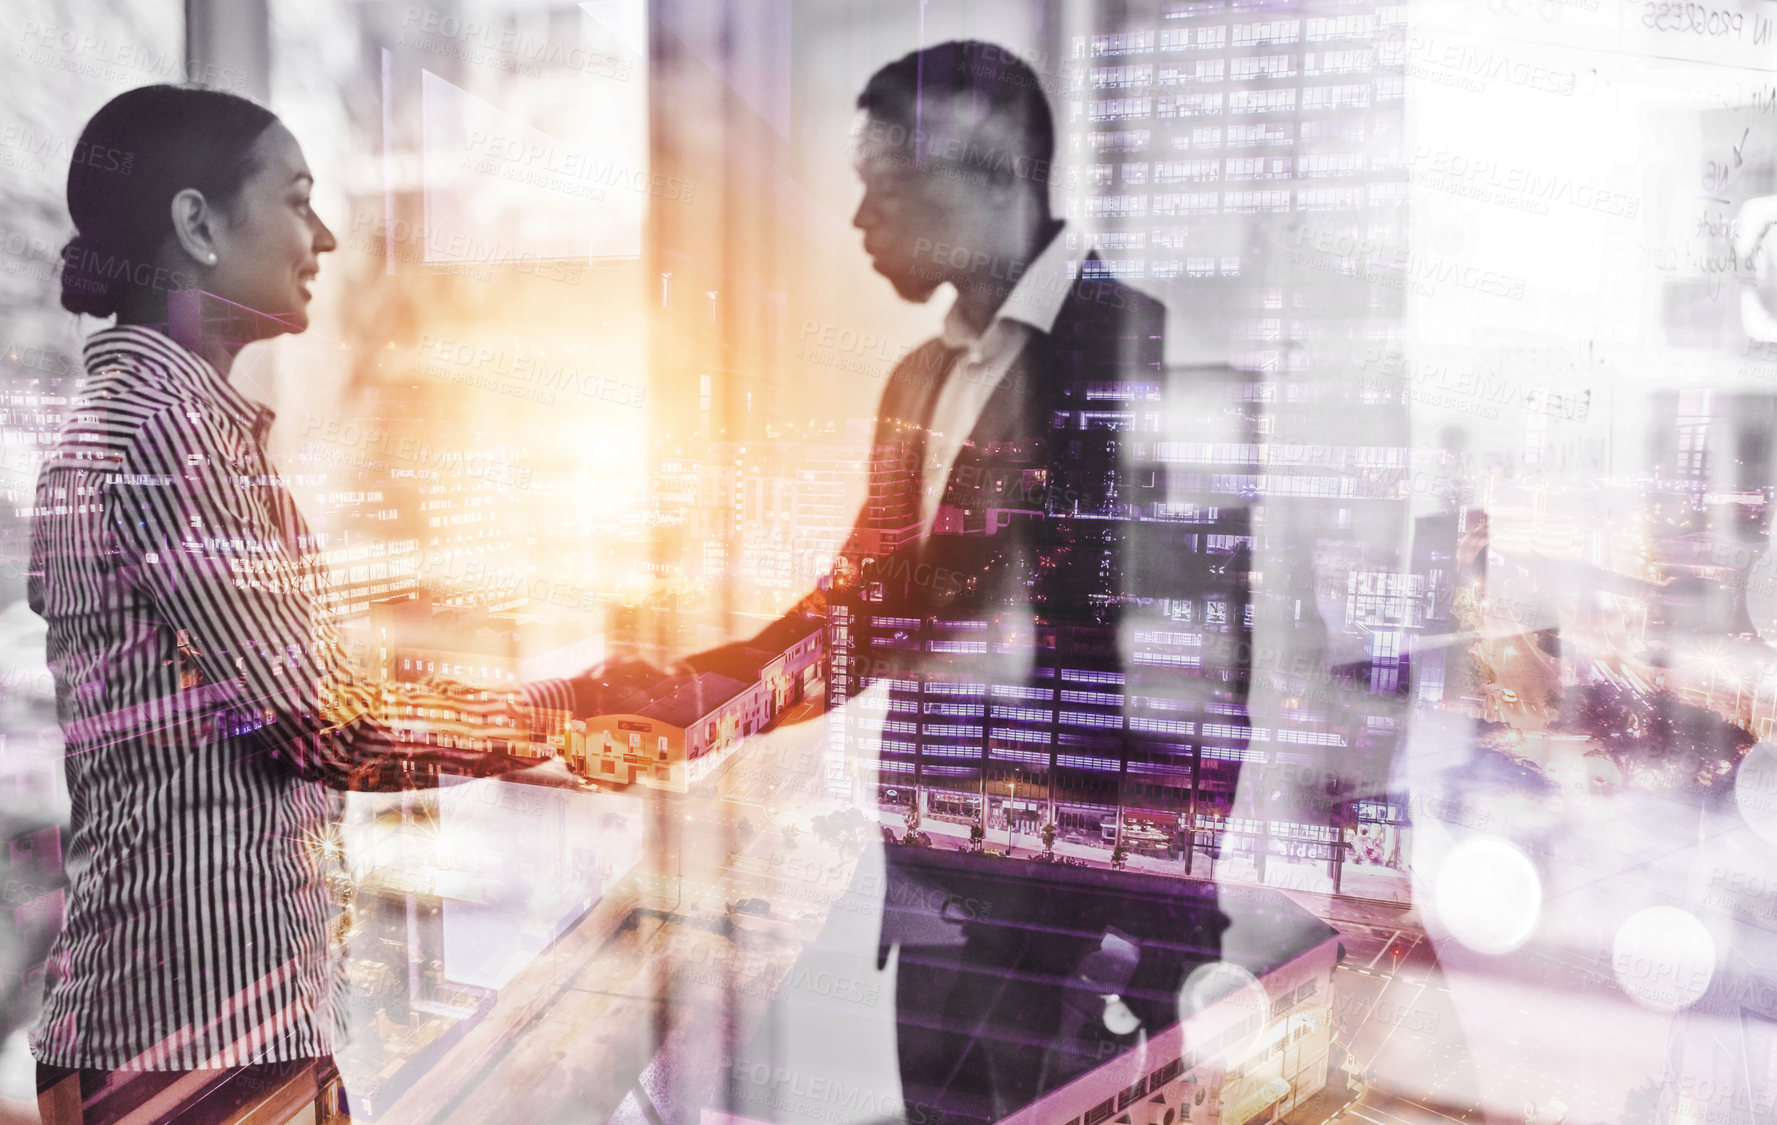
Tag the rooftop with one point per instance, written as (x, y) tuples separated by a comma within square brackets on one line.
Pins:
[(683, 700), (744, 660)]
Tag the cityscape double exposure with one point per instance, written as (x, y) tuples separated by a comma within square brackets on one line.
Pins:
[(888, 562)]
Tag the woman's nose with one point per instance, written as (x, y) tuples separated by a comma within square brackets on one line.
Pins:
[(324, 240)]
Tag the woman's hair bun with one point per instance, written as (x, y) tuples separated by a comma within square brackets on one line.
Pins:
[(85, 288), (137, 153)]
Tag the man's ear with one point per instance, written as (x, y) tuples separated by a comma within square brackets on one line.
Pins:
[(194, 225)]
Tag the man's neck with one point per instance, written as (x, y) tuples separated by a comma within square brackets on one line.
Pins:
[(979, 297)]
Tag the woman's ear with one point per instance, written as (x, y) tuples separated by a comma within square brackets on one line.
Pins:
[(194, 225)]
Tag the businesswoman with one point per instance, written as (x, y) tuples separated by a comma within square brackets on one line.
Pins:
[(206, 705)]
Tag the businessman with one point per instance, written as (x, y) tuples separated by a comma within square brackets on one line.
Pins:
[(1023, 539), (1025, 570)]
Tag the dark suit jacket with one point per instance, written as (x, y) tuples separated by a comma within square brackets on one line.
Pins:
[(1072, 567), (1080, 613)]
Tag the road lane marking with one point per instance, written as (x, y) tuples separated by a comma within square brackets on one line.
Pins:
[(1384, 948)]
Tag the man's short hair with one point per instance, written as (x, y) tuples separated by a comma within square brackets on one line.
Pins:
[(918, 90)]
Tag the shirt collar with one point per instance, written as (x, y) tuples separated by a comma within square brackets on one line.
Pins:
[(1036, 297), (152, 352)]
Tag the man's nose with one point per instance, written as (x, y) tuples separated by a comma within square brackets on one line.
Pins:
[(865, 216)]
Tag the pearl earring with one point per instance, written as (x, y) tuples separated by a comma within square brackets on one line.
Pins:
[(210, 258)]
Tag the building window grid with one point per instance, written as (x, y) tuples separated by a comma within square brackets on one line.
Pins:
[(1266, 31), (1203, 38), (1357, 129), (1122, 77), (1098, 698), (1175, 203), (1186, 73), (1187, 171), (1252, 67), (1257, 168)]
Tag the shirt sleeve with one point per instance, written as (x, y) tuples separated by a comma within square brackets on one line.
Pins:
[(198, 524)]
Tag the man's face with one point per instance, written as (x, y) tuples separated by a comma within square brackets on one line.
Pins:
[(906, 211)]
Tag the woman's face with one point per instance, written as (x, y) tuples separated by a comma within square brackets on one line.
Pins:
[(269, 242)]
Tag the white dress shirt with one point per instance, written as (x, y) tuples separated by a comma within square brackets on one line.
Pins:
[(1031, 307)]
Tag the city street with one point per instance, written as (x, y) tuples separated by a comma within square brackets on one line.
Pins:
[(650, 985), (652, 981)]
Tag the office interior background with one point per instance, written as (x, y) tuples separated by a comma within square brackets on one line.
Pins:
[(593, 374)]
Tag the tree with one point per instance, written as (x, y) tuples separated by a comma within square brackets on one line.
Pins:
[(1657, 741), (1120, 855), (1049, 838), (844, 828), (977, 837)]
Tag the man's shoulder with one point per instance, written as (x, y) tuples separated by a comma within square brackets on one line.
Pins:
[(1100, 304)]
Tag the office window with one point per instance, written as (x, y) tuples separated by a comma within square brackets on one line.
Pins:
[(1186, 203), (1262, 66), (1186, 171), (1196, 70), (1258, 168), (1117, 206), (1339, 62), (1119, 140), (1266, 31), (1260, 133), (1122, 43), (1351, 96), (1187, 105), (1122, 109), (1322, 164), (1122, 77), (1250, 202), (1263, 101), (1193, 38), (1319, 29)]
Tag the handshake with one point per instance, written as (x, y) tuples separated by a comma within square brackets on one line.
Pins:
[(625, 685)]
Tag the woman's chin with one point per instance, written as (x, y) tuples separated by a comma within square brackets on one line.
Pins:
[(294, 320)]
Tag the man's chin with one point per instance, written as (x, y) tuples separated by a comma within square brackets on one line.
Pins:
[(916, 290)]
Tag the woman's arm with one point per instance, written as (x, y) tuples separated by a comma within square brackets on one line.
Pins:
[(201, 531)]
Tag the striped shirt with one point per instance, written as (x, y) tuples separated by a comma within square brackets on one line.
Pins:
[(209, 714)]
